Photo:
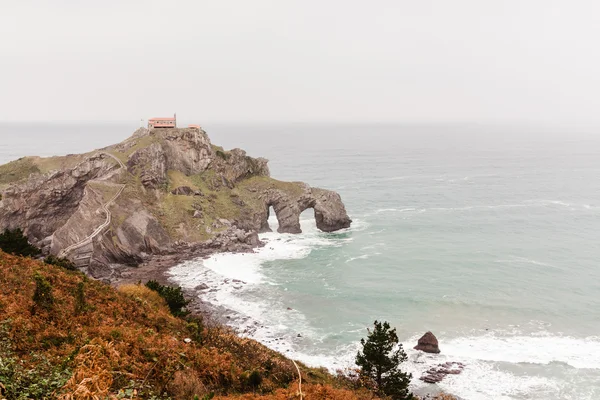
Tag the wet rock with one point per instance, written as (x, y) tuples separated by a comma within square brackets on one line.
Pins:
[(428, 343), (437, 374), (202, 286)]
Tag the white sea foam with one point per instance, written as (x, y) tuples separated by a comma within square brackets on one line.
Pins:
[(233, 279), (484, 376), (540, 348)]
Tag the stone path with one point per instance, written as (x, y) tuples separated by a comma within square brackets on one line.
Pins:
[(104, 208)]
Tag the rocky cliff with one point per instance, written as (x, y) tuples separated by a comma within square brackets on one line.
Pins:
[(153, 193)]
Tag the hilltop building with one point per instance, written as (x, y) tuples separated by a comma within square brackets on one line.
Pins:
[(163, 122)]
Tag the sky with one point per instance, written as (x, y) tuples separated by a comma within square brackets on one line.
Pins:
[(309, 61)]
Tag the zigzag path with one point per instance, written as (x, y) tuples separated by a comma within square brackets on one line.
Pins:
[(104, 208)]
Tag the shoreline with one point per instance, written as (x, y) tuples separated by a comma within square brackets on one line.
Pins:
[(157, 267)]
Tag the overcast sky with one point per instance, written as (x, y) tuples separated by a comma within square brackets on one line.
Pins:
[(301, 61)]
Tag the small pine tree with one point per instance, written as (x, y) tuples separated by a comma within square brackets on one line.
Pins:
[(379, 362)]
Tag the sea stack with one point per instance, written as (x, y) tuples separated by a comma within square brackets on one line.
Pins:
[(428, 343)]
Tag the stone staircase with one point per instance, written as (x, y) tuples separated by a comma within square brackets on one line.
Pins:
[(82, 251)]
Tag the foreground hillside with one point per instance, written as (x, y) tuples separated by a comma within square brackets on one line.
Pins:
[(82, 339)]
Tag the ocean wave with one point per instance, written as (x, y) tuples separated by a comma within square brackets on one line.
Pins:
[(524, 260), (361, 257), (524, 204)]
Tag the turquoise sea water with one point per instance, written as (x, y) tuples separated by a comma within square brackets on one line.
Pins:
[(487, 236)]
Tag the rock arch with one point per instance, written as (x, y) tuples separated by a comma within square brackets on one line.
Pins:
[(330, 213)]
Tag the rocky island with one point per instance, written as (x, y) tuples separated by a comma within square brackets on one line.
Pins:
[(160, 192)]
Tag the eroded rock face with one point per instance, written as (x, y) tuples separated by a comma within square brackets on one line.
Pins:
[(185, 150), (428, 343), (236, 165), (330, 213), (44, 203), (151, 163)]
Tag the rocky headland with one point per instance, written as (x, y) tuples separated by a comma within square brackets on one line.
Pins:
[(158, 198)]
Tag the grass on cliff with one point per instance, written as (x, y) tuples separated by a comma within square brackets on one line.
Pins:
[(17, 170), (86, 340)]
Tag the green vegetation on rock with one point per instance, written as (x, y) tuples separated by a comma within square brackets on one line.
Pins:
[(17, 170), (60, 262)]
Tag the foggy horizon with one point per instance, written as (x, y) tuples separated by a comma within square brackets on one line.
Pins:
[(267, 62)]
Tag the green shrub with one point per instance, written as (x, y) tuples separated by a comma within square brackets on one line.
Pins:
[(60, 262), (80, 303), (223, 155), (172, 295), (14, 242), (43, 293), (195, 326), (116, 334), (251, 380)]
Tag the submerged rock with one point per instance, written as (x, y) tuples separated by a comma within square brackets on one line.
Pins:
[(428, 343)]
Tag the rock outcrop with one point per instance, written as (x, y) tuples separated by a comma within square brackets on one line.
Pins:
[(428, 343), (152, 193), (44, 203)]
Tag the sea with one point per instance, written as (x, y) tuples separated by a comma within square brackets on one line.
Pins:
[(486, 235)]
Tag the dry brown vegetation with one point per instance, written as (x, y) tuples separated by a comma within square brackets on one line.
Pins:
[(126, 343)]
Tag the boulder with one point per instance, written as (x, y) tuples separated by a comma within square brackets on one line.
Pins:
[(428, 343), (183, 191)]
